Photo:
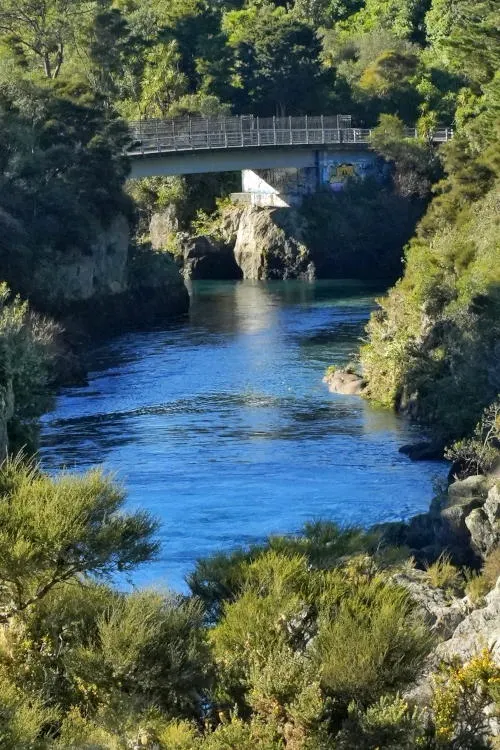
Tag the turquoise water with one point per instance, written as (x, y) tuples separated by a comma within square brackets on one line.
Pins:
[(220, 424)]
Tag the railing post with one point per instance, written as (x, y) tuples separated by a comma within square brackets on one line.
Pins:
[(190, 131), (225, 132), (307, 132), (290, 128), (322, 129), (274, 129), (241, 129), (258, 132)]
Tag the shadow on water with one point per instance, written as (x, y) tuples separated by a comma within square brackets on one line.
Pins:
[(221, 426)]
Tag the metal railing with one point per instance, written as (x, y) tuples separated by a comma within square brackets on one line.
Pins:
[(197, 133)]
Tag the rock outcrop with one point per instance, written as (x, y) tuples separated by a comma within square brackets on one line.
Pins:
[(270, 244), (204, 257), (343, 381), (480, 629), (464, 520), (441, 614), (163, 226), (108, 287)]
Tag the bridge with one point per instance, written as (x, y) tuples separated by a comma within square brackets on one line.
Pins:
[(195, 145)]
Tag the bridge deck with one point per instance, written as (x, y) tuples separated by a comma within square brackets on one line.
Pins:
[(193, 134)]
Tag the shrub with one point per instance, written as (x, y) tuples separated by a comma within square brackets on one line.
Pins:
[(476, 587), (389, 724), (255, 735), (480, 453), (22, 718), (491, 568), (442, 574), (371, 642), (26, 357), (461, 695), (155, 649), (52, 530)]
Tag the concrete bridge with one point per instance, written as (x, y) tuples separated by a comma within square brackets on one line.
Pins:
[(284, 157)]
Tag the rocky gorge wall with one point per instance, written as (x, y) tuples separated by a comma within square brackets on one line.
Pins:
[(110, 285), (358, 233)]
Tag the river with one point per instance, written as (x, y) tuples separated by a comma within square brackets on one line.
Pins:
[(220, 425)]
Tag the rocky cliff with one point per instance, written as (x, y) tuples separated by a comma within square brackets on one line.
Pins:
[(270, 244), (110, 285)]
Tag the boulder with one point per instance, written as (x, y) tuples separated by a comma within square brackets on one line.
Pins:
[(484, 524), (466, 489), (270, 244), (342, 381), (483, 537), (492, 507)]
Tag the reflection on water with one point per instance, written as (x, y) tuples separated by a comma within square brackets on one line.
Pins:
[(221, 426)]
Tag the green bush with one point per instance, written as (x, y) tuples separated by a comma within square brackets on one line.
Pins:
[(442, 574), (371, 642)]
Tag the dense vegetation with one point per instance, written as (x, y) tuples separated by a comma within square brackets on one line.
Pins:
[(69, 70), (299, 643), (433, 348), (302, 643)]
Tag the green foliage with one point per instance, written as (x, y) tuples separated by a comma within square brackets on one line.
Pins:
[(55, 529), (155, 648), (369, 642), (27, 344), (479, 454), (21, 718), (461, 696), (388, 724), (442, 574)]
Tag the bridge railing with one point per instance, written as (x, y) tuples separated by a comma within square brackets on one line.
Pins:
[(188, 134)]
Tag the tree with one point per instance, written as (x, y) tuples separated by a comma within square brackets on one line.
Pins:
[(40, 31), (276, 66), (52, 530), (415, 163)]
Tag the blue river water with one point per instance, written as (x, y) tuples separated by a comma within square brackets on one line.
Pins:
[(219, 423)]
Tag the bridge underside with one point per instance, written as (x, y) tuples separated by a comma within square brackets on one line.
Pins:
[(231, 160)]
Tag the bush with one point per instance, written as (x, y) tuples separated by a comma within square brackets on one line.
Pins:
[(26, 358), (389, 724), (52, 530), (461, 695), (476, 587), (479, 454), (370, 643), (442, 574)]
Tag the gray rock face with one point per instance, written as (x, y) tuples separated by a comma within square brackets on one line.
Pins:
[(102, 271), (108, 287), (441, 615), (475, 487), (341, 381), (484, 523), (480, 629), (270, 244), (461, 522), (162, 226), (206, 258)]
